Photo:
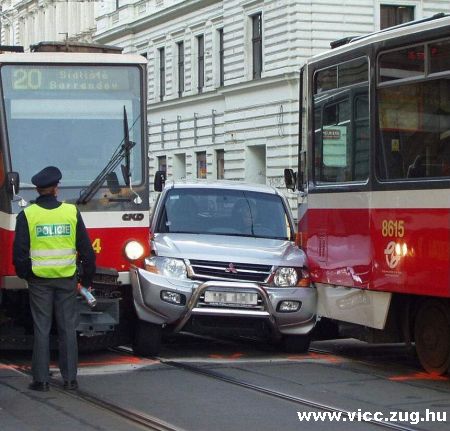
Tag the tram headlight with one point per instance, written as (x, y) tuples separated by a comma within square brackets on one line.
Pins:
[(133, 250), (167, 266), (291, 277)]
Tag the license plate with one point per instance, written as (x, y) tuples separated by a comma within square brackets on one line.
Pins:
[(229, 298)]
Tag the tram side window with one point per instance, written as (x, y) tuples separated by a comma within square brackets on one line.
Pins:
[(342, 144), (341, 123), (414, 130), (362, 138), (402, 64), (440, 57), (335, 130)]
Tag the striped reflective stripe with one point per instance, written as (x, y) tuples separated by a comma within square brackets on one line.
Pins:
[(54, 262), (49, 253)]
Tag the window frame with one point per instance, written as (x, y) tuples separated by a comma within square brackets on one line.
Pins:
[(220, 164), (221, 59), (351, 94), (396, 9), (180, 53), (200, 62), (162, 72), (256, 39), (198, 161)]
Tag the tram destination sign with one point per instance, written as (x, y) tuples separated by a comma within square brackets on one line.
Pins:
[(65, 78)]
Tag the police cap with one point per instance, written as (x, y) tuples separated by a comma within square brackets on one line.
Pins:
[(48, 177)]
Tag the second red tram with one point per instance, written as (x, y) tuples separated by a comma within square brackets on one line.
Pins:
[(374, 185)]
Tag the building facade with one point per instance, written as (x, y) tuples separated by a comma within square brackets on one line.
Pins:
[(25, 22), (223, 76)]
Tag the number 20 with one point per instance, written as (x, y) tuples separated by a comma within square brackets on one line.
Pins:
[(27, 79)]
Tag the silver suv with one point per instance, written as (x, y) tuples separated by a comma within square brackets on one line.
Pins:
[(223, 260)]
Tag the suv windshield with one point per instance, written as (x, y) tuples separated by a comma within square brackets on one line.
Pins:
[(71, 117), (224, 212)]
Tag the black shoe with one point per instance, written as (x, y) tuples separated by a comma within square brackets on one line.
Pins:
[(70, 385), (39, 386)]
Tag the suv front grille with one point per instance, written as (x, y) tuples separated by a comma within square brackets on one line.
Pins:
[(210, 270)]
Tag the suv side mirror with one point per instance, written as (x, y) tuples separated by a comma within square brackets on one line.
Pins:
[(160, 179), (13, 183), (290, 179)]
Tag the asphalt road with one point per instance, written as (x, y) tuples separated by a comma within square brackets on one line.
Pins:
[(206, 384)]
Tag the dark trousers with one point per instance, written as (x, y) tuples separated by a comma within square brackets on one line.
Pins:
[(48, 296)]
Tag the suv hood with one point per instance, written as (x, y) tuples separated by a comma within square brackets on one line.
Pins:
[(224, 248)]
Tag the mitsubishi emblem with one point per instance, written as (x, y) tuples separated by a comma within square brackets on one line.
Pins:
[(231, 268)]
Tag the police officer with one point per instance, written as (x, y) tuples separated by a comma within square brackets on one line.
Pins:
[(50, 236)]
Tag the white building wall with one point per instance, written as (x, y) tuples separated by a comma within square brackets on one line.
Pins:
[(245, 117), (248, 119), (35, 21)]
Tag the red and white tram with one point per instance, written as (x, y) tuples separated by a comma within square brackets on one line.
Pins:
[(374, 185), (81, 108)]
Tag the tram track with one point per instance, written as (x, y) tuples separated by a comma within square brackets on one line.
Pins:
[(270, 392), (147, 422)]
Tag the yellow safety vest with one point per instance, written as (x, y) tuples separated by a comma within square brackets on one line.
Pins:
[(52, 240)]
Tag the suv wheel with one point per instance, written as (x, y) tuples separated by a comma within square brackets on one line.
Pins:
[(147, 339), (296, 343)]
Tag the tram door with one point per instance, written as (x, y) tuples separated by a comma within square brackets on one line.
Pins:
[(338, 222)]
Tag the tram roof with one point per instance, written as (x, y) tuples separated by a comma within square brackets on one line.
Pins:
[(432, 23), (71, 57)]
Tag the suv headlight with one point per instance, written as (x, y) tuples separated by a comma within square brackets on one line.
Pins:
[(291, 277), (167, 266)]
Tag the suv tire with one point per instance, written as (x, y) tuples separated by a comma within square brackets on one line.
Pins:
[(296, 343), (147, 339)]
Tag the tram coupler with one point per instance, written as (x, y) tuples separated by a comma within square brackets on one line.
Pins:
[(104, 317)]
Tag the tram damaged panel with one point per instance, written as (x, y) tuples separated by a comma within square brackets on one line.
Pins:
[(86, 114)]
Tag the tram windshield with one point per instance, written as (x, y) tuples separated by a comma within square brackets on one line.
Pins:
[(71, 117)]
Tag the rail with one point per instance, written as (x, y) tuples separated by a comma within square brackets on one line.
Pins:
[(270, 392), (149, 422)]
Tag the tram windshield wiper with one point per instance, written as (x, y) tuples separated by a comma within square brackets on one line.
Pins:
[(121, 153)]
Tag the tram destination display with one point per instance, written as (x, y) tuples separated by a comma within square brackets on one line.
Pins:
[(68, 78)]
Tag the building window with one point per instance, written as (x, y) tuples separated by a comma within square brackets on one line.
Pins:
[(162, 163), (220, 164), (162, 73), (257, 45), (201, 164), (221, 57), (179, 166), (180, 46), (201, 62), (391, 15)]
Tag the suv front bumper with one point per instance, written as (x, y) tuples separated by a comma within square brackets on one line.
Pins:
[(148, 288)]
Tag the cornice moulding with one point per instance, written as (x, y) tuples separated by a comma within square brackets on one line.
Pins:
[(149, 21)]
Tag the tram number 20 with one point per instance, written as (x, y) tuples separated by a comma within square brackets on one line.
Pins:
[(27, 79), (393, 228)]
